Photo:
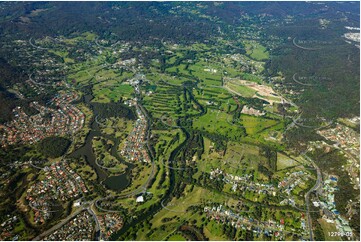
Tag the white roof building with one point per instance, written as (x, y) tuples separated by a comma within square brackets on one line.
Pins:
[(140, 199)]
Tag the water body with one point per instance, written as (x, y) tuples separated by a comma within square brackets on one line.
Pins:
[(114, 182), (167, 196)]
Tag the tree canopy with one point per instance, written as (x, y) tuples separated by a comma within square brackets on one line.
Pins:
[(53, 147)]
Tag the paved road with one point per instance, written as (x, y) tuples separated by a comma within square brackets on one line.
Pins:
[(316, 187), (98, 233), (59, 225)]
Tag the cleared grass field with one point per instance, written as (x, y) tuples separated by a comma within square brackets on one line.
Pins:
[(85, 171), (199, 47), (254, 124), (239, 159), (106, 74), (251, 77), (165, 145), (59, 53), (180, 69), (242, 90), (115, 93), (256, 50), (84, 73), (284, 162), (173, 59), (217, 122)]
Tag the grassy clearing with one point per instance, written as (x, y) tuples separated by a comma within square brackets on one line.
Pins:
[(173, 59), (218, 122), (84, 74), (170, 101), (85, 171), (254, 124), (242, 90), (217, 94), (59, 53), (104, 93), (106, 74), (284, 162), (167, 141), (256, 51), (240, 159), (200, 47), (251, 77)]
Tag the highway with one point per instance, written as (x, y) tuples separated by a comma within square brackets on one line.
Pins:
[(59, 225), (85, 206), (316, 187), (98, 234)]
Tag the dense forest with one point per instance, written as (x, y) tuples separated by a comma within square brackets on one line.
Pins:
[(113, 109), (9, 76), (335, 92), (144, 22), (53, 146)]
